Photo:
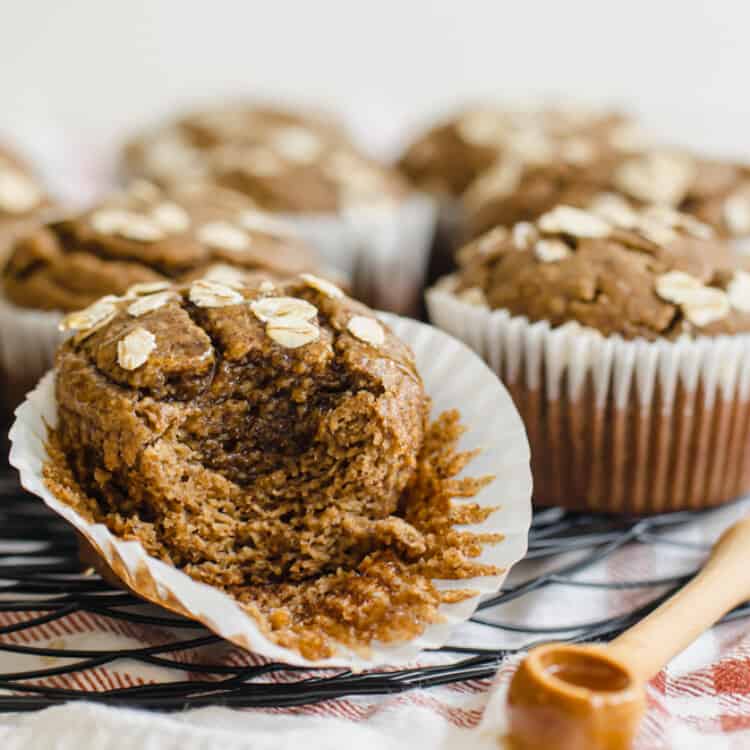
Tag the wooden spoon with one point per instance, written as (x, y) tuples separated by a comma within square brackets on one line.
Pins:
[(576, 697)]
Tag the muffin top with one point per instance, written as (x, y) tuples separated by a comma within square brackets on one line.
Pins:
[(514, 189), (283, 161), (146, 235), (247, 434), (21, 194), (653, 273), (447, 159)]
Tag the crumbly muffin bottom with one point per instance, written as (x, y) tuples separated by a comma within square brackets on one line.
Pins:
[(388, 595)]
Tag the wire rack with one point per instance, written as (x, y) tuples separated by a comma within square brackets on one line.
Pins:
[(42, 582)]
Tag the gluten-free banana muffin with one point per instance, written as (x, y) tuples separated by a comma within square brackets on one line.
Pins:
[(714, 191), (284, 161), (466, 161), (270, 440), (625, 342), (362, 216), (145, 235), (448, 157)]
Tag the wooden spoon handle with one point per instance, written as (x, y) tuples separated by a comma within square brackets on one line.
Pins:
[(723, 584)]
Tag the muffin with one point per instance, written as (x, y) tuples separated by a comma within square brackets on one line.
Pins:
[(187, 149), (448, 157), (481, 149), (361, 216), (273, 442), (140, 237), (713, 191), (625, 344), (22, 199)]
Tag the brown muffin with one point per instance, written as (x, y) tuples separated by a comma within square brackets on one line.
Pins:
[(513, 190), (243, 410), (623, 338), (147, 235), (449, 157), (284, 161), (653, 274), (478, 154), (269, 440)]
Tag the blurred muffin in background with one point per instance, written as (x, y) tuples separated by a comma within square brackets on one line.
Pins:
[(23, 199), (448, 157), (285, 161), (467, 161), (137, 240), (362, 216), (513, 189)]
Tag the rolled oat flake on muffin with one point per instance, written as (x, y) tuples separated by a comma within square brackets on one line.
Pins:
[(205, 293), (367, 330), (134, 349)]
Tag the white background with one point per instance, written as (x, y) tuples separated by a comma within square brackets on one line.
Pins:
[(76, 75)]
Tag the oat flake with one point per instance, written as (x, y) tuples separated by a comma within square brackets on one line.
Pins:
[(573, 221), (276, 308), (322, 285), (367, 330), (205, 293), (224, 236), (133, 351)]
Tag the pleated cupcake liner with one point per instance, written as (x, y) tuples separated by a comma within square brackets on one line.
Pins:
[(28, 341), (454, 378), (615, 425)]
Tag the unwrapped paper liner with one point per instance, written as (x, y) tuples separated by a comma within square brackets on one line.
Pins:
[(381, 250), (454, 378), (617, 425)]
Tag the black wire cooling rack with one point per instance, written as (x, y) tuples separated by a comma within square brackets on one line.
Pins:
[(42, 582)]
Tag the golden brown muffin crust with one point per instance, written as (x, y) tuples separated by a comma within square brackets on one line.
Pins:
[(654, 273), (148, 235)]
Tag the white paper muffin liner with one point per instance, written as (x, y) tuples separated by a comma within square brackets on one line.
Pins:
[(618, 425), (381, 250), (28, 341), (455, 378)]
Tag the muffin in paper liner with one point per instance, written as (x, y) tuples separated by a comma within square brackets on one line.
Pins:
[(614, 425), (381, 250), (454, 378)]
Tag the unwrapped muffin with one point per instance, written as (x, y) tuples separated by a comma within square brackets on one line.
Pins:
[(625, 342), (361, 215), (141, 236), (272, 441)]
